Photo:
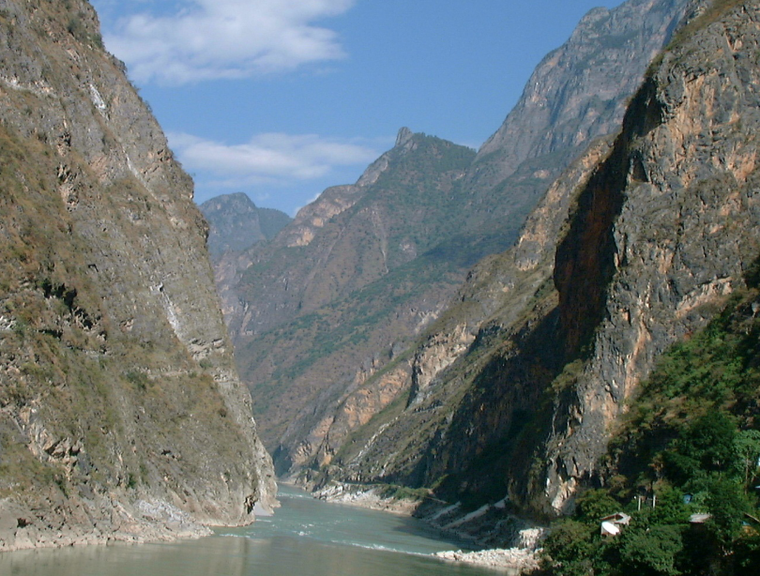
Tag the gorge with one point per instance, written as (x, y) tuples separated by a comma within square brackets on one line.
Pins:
[(505, 336), (503, 380), (359, 306)]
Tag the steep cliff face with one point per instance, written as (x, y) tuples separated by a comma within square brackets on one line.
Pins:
[(676, 206), (577, 93), (484, 362), (659, 234), (121, 412), (661, 229)]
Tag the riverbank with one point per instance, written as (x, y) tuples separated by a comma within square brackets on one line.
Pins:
[(100, 522), (488, 527), (367, 498)]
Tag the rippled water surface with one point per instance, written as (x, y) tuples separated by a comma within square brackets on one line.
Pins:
[(305, 537)]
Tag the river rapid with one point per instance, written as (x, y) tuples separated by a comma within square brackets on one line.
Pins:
[(306, 537)]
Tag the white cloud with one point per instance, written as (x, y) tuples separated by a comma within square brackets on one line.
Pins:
[(211, 39), (275, 159)]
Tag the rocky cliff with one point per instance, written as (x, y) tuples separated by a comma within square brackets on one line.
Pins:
[(121, 412), (672, 216), (326, 321), (577, 93)]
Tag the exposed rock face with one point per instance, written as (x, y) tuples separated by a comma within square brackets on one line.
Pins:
[(464, 372), (577, 93), (121, 412), (664, 231), (330, 312)]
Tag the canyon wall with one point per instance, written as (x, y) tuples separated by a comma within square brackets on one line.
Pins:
[(121, 412)]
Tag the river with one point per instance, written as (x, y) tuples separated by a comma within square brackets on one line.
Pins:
[(306, 537)]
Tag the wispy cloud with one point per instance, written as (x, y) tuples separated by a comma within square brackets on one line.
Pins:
[(275, 159), (211, 39)]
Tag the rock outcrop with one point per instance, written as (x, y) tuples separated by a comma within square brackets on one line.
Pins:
[(577, 93), (121, 412)]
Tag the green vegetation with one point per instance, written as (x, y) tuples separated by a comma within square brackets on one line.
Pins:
[(397, 492), (690, 445)]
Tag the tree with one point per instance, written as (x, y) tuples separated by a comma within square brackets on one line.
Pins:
[(707, 445), (650, 551), (747, 452), (726, 504), (593, 505), (569, 548)]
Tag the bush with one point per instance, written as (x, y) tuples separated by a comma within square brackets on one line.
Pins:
[(569, 548), (651, 551)]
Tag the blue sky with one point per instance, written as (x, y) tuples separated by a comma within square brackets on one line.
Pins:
[(283, 98)]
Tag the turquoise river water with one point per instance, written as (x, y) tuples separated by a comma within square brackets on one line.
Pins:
[(306, 537)]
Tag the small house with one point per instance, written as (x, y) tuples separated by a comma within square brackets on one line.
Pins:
[(612, 525)]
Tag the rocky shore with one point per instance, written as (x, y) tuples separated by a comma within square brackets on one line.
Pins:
[(514, 560), (88, 523), (367, 498)]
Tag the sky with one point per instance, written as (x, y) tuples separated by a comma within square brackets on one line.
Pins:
[(282, 98)]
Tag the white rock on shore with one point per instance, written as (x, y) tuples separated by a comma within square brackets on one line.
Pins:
[(522, 558), (510, 559), (367, 499)]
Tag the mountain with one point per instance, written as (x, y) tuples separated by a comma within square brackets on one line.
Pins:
[(122, 416), (343, 280), (327, 318), (236, 223), (577, 93), (517, 388), (352, 235)]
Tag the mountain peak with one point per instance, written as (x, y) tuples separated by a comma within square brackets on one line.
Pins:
[(404, 135)]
